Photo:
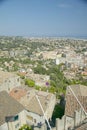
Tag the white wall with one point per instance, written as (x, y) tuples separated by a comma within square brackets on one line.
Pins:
[(69, 122), (15, 125), (4, 127), (60, 123), (64, 123), (79, 117), (31, 117)]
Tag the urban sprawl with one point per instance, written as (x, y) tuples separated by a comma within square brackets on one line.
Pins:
[(43, 83)]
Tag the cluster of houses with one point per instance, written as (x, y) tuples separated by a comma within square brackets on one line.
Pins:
[(21, 105)]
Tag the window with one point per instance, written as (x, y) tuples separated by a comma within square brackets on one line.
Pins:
[(8, 89), (34, 120), (16, 91), (69, 128), (9, 81), (18, 79), (11, 118), (16, 117), (30, 117), (17, 125)]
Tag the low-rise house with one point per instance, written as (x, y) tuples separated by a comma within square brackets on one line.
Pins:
[(69, 74), (8, 81), (48, 54), (38, 78), (33, 101), (12, 114), (75, 110), (84, 73)]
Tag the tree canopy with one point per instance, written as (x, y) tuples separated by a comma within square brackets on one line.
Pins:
[(25, 127)]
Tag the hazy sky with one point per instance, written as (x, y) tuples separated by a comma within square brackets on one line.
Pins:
[(43, 17)]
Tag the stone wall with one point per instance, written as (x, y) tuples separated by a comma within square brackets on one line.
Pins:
[(60, 123), (4, 127), (79, 117), (70, 122), (10, 83), (50, 107)]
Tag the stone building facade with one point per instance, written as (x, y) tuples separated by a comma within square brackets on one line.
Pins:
[(75, 110), (8, 81)]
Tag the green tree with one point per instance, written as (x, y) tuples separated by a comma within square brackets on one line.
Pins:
[(57, 79), (58, 112), (25, 127), (29, 82), (15, 67), (52, 89), (39, 70), (37, 87)]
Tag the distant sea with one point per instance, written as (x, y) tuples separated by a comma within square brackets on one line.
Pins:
[(76, 37), (67, 36), (84, 37), (60, 36)]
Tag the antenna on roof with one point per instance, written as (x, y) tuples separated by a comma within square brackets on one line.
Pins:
[(77, 100), (43, 112)]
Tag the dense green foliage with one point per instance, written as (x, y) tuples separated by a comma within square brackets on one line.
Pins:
[(57, 79), (80, 79), (58, 112), (29, 82), (25, 127), (37, 87), (58, 82), (26, 61), (40, 70)]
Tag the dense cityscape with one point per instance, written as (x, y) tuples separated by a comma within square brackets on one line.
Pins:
[(43, 82)]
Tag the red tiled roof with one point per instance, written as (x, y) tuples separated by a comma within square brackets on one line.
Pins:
[(71, 102), (17, 93)]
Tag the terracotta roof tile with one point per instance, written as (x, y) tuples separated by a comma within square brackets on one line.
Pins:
[(17, 93), (71, 102)]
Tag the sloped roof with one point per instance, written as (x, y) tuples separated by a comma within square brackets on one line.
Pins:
[(29, 101), (8, 106), (71, 102), (18, 92), (32, 104)]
